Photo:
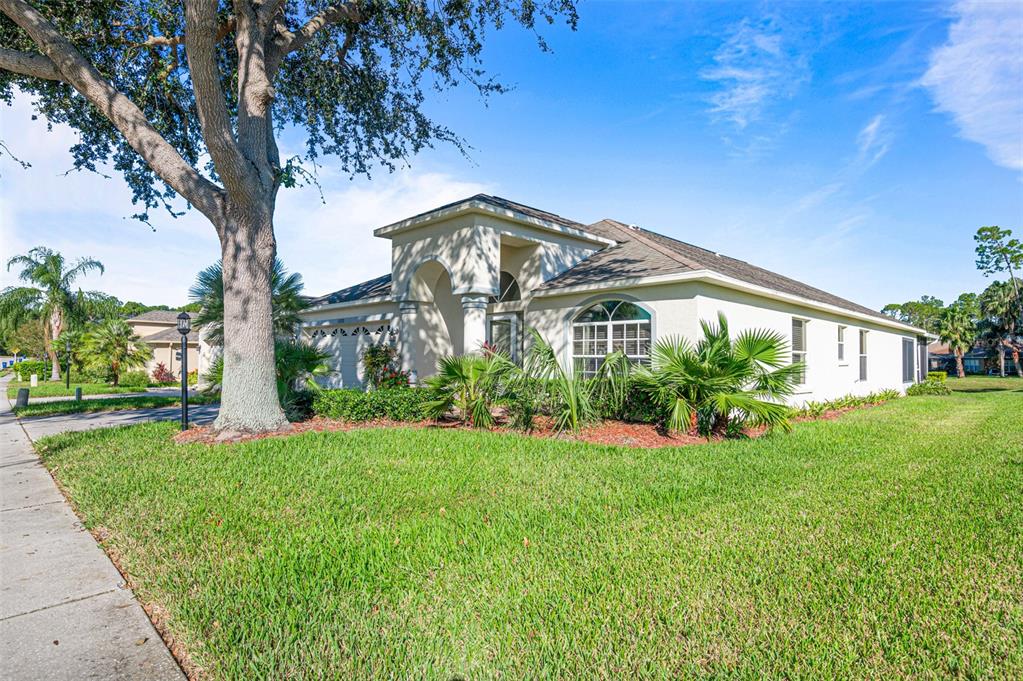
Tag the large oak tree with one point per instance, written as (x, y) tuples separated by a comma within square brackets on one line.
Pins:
[(187, 99)]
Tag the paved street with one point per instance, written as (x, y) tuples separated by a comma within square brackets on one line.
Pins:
[(65, 612)]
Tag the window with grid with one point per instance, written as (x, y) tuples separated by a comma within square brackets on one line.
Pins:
[(863, 355), (841, 343), (799, 347), (609, 326)]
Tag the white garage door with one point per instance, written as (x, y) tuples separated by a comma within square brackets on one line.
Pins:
[(346, 344)]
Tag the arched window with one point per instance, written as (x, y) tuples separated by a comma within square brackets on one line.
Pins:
[(606, 327), (508, 289)]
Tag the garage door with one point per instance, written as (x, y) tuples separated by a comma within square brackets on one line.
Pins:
[(346, 344)]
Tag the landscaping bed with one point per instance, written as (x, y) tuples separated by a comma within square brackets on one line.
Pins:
[(884, 544)]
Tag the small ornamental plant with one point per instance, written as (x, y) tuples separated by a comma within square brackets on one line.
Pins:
[(163, 375)]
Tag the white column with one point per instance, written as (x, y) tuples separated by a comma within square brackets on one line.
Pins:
[(407, 312), (474, 322)]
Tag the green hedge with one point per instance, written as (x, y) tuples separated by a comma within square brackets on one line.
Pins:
[(134, 379), (397, 404), (937, 376), (32, 366)]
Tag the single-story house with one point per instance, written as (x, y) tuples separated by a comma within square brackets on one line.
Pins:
[(982, 358), (159, 329), (486, 269)]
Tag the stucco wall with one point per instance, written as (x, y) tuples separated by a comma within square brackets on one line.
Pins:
[(167, 353)]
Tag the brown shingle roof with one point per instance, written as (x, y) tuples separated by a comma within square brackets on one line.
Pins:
[(170, 335), (642, 253), (381, 286), (159, 316)]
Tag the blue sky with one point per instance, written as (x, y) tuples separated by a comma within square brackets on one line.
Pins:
[(856, 147)]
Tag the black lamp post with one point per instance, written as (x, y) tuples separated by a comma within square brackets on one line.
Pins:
[(67, 373), (184, 327)]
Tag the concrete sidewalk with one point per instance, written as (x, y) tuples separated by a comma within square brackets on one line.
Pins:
[(65, 612)]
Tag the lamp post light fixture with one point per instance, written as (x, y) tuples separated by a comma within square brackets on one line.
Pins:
[(184, 327), (67, 355)]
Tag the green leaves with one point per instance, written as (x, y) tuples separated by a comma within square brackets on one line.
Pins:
[(472, 384), (746, 379)]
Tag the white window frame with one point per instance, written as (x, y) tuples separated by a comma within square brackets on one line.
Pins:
[(864, 365), (801, 355), (841, 346), (599, 337), (912, 360), (515, 332)]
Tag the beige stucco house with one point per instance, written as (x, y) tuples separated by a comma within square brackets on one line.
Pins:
[(485, 269), (158, 328)]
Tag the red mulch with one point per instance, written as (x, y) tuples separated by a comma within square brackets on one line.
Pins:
[(604, 433)]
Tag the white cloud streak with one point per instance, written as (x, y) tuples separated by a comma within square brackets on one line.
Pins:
[(754, 68), (977, 77)]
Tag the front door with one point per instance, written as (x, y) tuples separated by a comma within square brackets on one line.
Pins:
[(504, 334)]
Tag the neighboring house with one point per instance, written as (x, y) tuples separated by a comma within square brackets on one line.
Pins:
[(158, 328), (485, 269), (982, 358)]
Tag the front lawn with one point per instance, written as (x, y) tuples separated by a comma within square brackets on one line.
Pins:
[(884, 544), (111, 404), (57, 389)]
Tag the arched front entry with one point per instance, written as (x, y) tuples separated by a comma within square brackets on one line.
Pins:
[(434, 321)]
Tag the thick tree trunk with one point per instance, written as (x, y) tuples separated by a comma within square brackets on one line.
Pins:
[(959, 364), (1001, 360), (248, 399)]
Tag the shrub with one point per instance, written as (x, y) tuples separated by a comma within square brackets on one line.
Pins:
[(162, 375), (472, 385), (397, 404), (31, 366), (937, 376), (929, 387), (816, 409), (379, 363), (134, 379)]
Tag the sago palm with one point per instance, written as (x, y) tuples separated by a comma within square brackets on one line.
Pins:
[(114, 346), (703, 387), (48, 295), (286, 297), (472, 384)]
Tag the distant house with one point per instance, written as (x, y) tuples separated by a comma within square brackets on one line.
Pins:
[(485, 269), (982, 358), (158, 328)]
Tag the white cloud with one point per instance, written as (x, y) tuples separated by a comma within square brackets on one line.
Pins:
[(977, 77), (873, 141), (756, 67), (85, 214)]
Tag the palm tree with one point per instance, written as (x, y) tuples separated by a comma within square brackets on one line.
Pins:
[(998, 304), (472, 383), (958, 330), (48, 297), (702, 387), (114, 346), (286, 299)]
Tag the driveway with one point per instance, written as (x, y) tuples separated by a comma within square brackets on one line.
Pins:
[(41, 426)]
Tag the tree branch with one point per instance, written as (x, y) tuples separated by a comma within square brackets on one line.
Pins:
[(29, 64), (175, 40), (328, 15), (201, 49), (157, 152)]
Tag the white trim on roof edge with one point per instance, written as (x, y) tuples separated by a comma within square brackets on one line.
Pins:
[(484, 208), (728, 282), (375, 300)]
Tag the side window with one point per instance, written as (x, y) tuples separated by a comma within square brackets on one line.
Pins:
[(799, 346), (863, 355), (841, 343), (907, 360)]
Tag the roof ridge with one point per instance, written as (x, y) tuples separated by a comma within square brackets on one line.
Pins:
[(638, 232)]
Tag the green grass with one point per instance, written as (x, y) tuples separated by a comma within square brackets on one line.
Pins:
[(884, 544), (110, 404), (976, 384), (57, 389)]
